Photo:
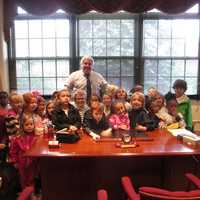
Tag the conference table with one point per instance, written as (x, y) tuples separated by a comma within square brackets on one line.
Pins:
[(77, 171)]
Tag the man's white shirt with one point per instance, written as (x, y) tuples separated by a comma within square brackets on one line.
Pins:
[(77, 80)]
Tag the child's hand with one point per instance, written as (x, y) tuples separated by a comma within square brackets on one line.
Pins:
[(2, 146), (123, 126), (72, 128), (141, 128), (162, 125)]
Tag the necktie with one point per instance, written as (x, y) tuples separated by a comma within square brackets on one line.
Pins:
[(88, 89)]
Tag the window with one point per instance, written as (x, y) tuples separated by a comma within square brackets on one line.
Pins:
[(111, 42), (152, 49), (170, 50), (42, 54)]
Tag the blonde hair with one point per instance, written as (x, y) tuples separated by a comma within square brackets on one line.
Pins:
[(27, 97), (141, 97), (111, 90), (14, 96), (23, 119), (152, 91), (80, 93)]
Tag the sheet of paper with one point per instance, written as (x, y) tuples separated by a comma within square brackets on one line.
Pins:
[(183, 132)]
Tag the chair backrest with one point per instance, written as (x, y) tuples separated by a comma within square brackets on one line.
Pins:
[(159, 194), (129, 189), (102, 194), (26, 193), (153, 193)]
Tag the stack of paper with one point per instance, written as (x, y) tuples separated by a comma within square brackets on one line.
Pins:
[(184, 133)]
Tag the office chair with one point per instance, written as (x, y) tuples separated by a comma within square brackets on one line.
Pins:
[(153, 193), (102, 194), (26, 193)]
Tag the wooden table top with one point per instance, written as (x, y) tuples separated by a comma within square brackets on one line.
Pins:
[(158, 143)]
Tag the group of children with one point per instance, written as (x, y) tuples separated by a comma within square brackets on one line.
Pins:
[(26, 117)]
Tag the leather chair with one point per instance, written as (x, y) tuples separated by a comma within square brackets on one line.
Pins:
[(102, 194), (153, 193), (26, 193)]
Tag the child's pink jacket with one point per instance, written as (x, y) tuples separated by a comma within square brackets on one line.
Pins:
[(117, 120), (18, 146)]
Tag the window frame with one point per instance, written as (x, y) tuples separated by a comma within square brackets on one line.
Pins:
[(12, 50), (120, 16), (74, 56), (160, 15)]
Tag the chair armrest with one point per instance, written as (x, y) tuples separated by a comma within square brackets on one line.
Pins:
[(129, 188), (193, 179)]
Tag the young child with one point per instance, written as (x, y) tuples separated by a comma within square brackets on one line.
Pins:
[(47, 121), (171, 105), (121, 95), (19, 145), (95, 121), (12, 119), (49, 109), (107, 101), (54, 95), (94, 98), (152, 92), (184, 104), (80, 103), (153, 108), (16, 103), (138, 116), (65, 115), (162, 113), (119, 117), (29, 108), (111, 90), (41, 105), (3, 103)]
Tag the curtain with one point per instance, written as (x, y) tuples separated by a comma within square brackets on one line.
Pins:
[(45, 7)]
